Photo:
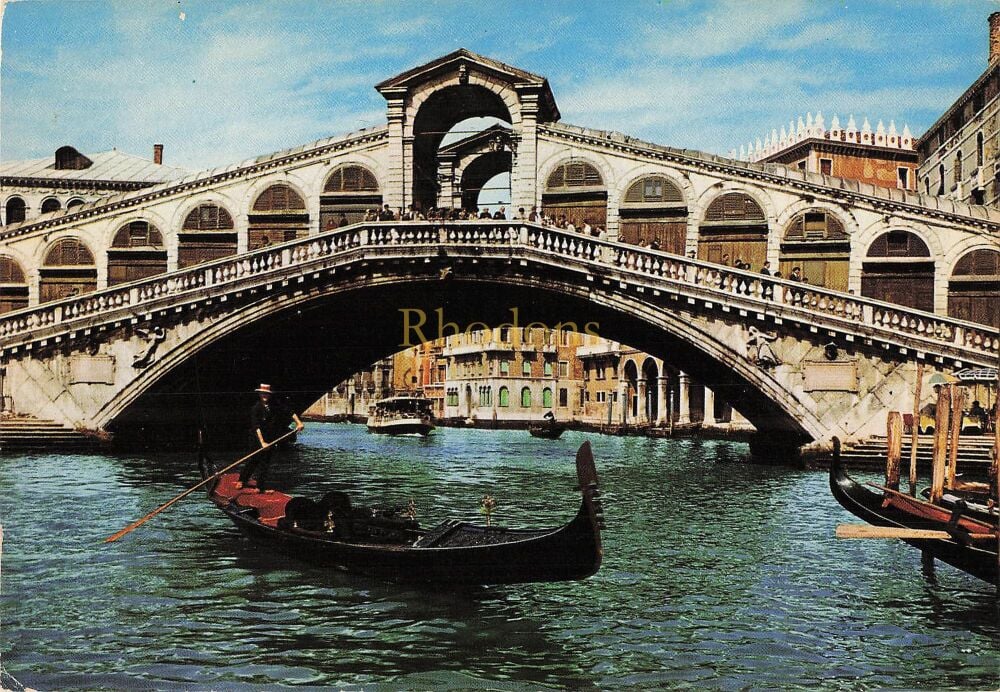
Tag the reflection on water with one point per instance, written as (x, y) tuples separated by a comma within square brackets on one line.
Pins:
[(717, 573)]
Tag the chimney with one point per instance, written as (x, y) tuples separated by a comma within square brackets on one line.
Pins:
[(158, 148), (994, 21)]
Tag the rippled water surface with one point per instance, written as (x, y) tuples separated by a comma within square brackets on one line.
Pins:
[(717, 574)]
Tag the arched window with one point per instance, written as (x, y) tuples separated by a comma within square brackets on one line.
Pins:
[(979, 149), (279, 215), (898, 269), (68, 270), (13, 287), (50, 204), (525, 398), (279, 198), (575, 193), (654, 209), (349, 192), (351, 179), (815, 241), (208, 233), (14, 210), (734, 228), (136, 252), (940, 191), (958, 166), (547, 398), (74, 203), (504, 397), (972, 290), (526, 367)]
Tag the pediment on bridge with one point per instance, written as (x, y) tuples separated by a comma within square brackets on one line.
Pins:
[(461, 62), (477, 143)]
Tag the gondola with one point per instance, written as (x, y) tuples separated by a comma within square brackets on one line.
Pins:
[(388, 544), (893, 509), (549, 430)]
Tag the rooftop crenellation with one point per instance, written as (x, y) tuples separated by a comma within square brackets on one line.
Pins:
[(815, 128)]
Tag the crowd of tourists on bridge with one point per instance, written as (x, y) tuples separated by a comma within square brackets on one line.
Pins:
[(561, 222), (412, 213)]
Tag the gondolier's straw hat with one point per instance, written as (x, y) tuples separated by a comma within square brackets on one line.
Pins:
[(264, 389)]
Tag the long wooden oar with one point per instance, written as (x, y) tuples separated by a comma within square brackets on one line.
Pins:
[(136, 524)]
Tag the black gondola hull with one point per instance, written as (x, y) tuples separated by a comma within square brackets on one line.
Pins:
[(568, 553), (548, 432), (453, 553)]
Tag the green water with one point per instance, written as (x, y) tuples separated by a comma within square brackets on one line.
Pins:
[(717, 575)]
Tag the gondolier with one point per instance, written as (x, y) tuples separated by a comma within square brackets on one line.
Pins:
[(269, 420)]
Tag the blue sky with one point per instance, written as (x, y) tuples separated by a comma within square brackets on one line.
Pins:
[(217, 82)]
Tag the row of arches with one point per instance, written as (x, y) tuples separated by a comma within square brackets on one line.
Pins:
[(814, 245), (138, 249), (898, 266), (16, 208)]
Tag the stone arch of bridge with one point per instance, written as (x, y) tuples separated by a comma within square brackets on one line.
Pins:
[(480, 171), (434, 114), (307, 343)]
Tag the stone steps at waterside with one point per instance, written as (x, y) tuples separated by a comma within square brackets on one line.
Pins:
[(33, 434), (974, 453)]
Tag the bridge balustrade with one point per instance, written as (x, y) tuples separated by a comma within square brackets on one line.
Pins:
[(681, 273)]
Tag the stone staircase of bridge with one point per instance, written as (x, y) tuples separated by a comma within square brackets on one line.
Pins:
[(974, 454), (27, 434)]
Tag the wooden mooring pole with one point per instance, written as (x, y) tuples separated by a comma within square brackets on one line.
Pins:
[(940, 441), (955, 429), (894, 446), (915, 429)]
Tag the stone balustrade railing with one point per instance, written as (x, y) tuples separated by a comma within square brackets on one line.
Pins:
[(682, 274)]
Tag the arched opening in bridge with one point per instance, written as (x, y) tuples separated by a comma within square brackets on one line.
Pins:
[(278, 215), (136, 252), (208, 233), (13, 286), (68, 270), (349, 193), (653, 211), (972, 290), (899, 269), (734, 228), (435, 161), (651, 389), (575, 193), (492, 196), (51, 204), (630, 407), (474, 165), (816, 242), (14, 210)]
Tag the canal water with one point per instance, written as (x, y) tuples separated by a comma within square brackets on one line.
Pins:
[(718, 574)]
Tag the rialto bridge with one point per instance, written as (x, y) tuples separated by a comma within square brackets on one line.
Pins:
[(157, 310)]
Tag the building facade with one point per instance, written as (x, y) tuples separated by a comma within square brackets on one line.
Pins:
[(959, 160)]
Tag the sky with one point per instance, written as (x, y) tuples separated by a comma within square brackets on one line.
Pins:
[(218, 82)]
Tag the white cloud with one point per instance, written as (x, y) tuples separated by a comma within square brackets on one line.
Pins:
[(723, 28)]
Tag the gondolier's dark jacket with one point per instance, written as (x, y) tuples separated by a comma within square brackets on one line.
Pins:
[(272, 420)]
